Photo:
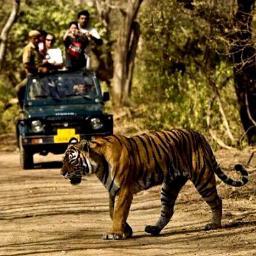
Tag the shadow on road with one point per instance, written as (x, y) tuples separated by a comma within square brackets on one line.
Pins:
[(48, 165)]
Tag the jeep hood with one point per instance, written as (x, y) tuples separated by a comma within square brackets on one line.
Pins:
[(63, 110)]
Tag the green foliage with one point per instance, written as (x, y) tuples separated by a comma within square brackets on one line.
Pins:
[(6, 117), (177, 65)]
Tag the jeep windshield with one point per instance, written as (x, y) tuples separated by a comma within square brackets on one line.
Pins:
[(62, 86)]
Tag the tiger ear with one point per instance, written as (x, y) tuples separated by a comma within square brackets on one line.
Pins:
[(84, 145), (73, 141)]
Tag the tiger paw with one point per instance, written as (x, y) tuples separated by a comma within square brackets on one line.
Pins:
[(153, 230), (128, 231), (211, 226), (114, 236)]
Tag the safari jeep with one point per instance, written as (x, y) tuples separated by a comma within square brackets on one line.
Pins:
[(57, 108)]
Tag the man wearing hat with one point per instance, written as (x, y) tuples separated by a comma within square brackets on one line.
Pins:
[(31, 59), (32, 62)]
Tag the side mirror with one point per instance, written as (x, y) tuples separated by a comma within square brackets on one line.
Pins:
[(105, 96)]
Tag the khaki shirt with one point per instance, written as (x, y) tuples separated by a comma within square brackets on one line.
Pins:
[(31, 58)]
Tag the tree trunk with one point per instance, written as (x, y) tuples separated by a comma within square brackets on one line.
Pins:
[(131, 58), (124, 54), (6, 29), (119, 59), (105, 69), (243, 57)]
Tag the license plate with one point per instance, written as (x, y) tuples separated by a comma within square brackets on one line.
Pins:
[(64, 135)]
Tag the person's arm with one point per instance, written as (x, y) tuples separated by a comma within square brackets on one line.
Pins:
[(29, 67), (98, 41), (94, 36), (67, 41), (66, 35)]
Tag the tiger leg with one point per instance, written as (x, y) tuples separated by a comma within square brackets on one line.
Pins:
[(169, 194), (120, 229), (207, 189), (111, 205), (127, 229)]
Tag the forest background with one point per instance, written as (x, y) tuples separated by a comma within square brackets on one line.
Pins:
[(183, 72)]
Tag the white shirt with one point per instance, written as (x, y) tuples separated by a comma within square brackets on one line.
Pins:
[(92, 31), (54, 56)]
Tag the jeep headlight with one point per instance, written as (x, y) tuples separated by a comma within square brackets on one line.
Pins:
[(37, 126), (96, 123)]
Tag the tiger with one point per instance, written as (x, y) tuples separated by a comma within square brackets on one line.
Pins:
[(127, 165)]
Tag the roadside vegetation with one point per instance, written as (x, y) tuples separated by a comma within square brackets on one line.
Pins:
[(183, 76)]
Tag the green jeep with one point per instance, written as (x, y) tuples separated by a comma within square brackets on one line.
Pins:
[(58, 108)]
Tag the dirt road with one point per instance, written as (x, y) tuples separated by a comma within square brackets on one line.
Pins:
[(42, 214)]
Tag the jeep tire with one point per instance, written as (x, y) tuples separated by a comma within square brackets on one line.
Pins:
[(26, 157)]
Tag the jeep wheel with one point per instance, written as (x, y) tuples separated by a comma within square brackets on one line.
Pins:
[(26, 157)]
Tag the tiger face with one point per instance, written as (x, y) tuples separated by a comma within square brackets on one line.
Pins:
[(75, 165)]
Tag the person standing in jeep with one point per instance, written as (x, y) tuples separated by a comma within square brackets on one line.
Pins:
[(32, 62), (83, 18), (75, 44)]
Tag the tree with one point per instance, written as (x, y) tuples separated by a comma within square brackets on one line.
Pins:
[(125, 46), (243, 56), (6, 29), (236, 31), (184, 64)]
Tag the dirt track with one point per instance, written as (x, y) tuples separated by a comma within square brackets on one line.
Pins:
[(42, 214)]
